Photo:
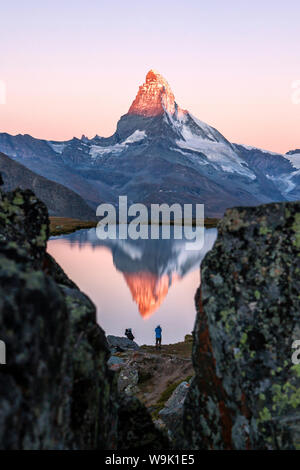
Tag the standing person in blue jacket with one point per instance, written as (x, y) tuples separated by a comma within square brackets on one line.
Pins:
[(158, 331)]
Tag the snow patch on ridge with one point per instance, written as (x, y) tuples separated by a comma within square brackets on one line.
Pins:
[(98, 150), (284, 182), (135, 137), (250, 147), (219, 153), (209, 131), (57, 147), (294, 160)]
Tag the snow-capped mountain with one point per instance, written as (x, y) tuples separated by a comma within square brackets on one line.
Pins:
[(161, 153)]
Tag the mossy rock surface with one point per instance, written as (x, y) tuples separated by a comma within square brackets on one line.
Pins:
[(56, 390), (246, 391)]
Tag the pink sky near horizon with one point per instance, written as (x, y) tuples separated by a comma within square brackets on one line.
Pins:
[(75, 68)]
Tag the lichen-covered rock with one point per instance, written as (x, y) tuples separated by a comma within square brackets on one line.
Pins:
[(115, 361), (34, 382), (24, 220), (56, 390), (172, 413), (94, 399), (138, 430), (119, 343), (128, 380), (246, 392), (51, 267)]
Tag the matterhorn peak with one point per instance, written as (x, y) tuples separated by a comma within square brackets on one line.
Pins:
[(154, 97), (155, 76)]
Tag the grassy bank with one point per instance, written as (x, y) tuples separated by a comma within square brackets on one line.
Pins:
[(63, 225), (182, 349), (211, 222)]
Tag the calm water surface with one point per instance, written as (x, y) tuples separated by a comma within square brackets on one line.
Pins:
[(135, 284)]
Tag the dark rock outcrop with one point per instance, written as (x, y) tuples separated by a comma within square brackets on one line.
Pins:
[(120, 343), (128, 380), (55, 386), (245, 394), (138, 430), (172, 413), (56, 390)]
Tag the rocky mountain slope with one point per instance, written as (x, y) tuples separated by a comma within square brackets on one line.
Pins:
[(147, 372), (160, 378), (59, 200), (282, 170), (160, 153), (38, 156)]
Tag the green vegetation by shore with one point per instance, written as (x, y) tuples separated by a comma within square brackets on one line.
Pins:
[(211, 222), (65, 225)]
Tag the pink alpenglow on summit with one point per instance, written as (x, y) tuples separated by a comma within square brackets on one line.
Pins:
[(154, 97)]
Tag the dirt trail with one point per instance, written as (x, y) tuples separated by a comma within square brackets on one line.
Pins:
[(159, 370)]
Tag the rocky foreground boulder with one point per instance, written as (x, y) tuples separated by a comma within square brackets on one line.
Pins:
[(172, 413), (56, 390), (246, 392), (119, 344)]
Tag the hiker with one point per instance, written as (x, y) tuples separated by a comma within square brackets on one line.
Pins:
[(128, 333), (158, 331)]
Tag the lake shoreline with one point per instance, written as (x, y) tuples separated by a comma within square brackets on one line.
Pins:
[(66, 225)]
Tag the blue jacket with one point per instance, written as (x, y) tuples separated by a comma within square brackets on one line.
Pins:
[(158, 332)]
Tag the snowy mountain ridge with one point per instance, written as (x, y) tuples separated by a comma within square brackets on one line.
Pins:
[(161, 153)]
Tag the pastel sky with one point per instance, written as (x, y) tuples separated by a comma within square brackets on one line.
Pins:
[(74, 67)]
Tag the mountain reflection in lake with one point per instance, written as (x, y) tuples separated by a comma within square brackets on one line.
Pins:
[(131, 281)]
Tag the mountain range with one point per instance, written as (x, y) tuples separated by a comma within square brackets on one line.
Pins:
[(161, 153)]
